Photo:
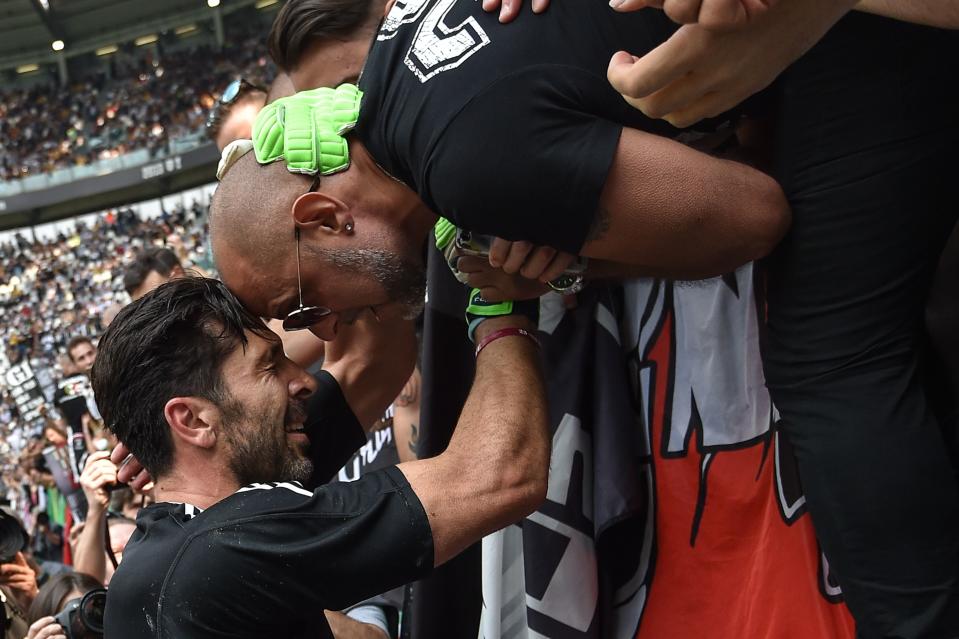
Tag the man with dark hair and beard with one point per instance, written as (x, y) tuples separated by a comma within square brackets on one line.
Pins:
[(234, 546)]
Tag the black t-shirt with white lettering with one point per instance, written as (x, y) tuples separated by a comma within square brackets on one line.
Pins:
[(267, 561), (508, 130)]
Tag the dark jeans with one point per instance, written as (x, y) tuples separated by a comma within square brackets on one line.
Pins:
[(866, 150)]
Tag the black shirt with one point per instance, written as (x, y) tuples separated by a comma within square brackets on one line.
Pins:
[(507, 130), (377, 453), (334, 432), (267, 561)]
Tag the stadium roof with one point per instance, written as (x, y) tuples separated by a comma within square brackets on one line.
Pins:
[(29, 27)]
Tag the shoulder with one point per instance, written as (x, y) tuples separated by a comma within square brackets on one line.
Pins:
[(524, 157), (300, 543)]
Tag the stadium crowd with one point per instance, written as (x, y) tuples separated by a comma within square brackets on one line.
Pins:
[(55, 295), (659, 439), (144, 104)]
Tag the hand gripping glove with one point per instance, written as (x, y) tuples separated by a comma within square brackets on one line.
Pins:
[(448, 240), (445, 234), (454, 242)]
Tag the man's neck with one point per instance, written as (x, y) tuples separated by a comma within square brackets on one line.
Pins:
[(201, 489), (406, 207)]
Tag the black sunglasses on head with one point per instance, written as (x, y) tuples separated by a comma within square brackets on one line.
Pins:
[(232, 94)]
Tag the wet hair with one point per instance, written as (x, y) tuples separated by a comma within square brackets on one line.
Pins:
[(50, 598), (170, 343), (300, 22), (159, 259)]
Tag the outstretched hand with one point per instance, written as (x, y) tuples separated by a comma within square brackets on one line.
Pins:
[(509, 9), (699, 72), (716, 15)]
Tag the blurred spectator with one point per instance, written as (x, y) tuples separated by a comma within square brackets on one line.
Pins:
[(150, 268), (53, 598), (18, 580), (231, 118), (54, 435), (82, 353), (47, 539)]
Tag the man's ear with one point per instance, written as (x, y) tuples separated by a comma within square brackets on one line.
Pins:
[(193, 420), (176, 271), (323, 212)]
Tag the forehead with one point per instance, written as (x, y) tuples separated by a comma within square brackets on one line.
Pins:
[(258, 289), (259, 348), (258, 294), (83, 348)]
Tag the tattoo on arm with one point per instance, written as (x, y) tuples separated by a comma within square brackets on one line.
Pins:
[(600, 225), (414, 439)]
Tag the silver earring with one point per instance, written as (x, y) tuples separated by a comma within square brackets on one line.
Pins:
[(349, 227)]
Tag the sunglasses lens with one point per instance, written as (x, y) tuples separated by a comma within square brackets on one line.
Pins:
[(304, 318), (230, 93)]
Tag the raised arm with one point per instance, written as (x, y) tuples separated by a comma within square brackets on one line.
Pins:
[(936, 13), (495, 470), (668, 210), (89, 556)]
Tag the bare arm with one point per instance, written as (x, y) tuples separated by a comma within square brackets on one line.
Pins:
[(344, 627), (406, 418), (935, 13), (371, 360), (89, 555), (495, 470), (675, 212)]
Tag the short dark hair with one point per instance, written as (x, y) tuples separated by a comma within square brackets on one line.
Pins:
[(300, 22), (13, 537), (169, 343), (76, 341), (159, 259), (47, 602)]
